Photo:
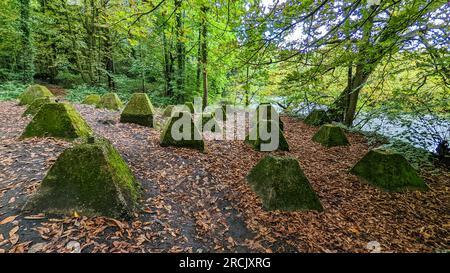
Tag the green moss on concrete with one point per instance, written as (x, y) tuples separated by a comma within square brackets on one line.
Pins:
[(168, 110), (317, 118), (195, 140), (388, 170), (138, 110), (58, 120), (91, 179), (34, 107), (256, 143), (190, 106), (282, 185), (110, 101), (224, 110), (265, 110), (330, 135), (33, 92), (93, 99), (210, 123)]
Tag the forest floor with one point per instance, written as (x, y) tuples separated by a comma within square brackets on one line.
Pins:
[(200, 202)]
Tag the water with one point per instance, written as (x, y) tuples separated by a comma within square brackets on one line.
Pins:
[(420, 131)]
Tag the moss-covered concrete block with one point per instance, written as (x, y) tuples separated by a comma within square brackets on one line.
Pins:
[(186, 132), (317, 118), (93, 99), (209, 122), (282, 185), (190, 106), (265, 111), (168, 110), (34, 107), (33, 92), (389, 171), (330, 135), (266, 125), (59, 120), (110, 101), (90, 178), (139, 110)]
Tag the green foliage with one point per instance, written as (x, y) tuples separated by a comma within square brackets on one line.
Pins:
[(79, 92), (11, 90)]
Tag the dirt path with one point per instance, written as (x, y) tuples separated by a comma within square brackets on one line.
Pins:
[(200, 202)]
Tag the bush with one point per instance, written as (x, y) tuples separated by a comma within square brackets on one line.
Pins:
[(79, 92), (11, 90)]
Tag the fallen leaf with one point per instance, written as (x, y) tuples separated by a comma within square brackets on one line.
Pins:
[(8, 219)]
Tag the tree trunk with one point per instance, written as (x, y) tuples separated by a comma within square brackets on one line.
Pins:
[(25, 61), (205, 57), (181, 51)]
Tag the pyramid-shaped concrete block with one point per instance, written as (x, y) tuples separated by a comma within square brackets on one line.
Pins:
[(265, 111), (36, 105), (330, 135), (180, 131), (33, 92), (168, 110), (389, 171), (317, 118), (59, 120), (93, 99), (282, 185), (139, 110), (190, 106), (209, 122), (260, 141), (91, 179), (110, 101)]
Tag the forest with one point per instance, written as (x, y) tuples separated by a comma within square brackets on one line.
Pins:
[(357, 92)]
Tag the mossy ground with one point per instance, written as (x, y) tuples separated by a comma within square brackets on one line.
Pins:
[(388, 170), (138, 110), (317, 118), (34, 107), (110, 101), (281, 184), (93, 99), (91, 179), (168, 110), (59, 120), (330, 135), (33, 92), (256, 142), (194, 141)]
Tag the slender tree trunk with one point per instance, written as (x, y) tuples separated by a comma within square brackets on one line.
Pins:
[(181, 51), (168, 66), (205, 57), (25, 61), (199, 60)]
